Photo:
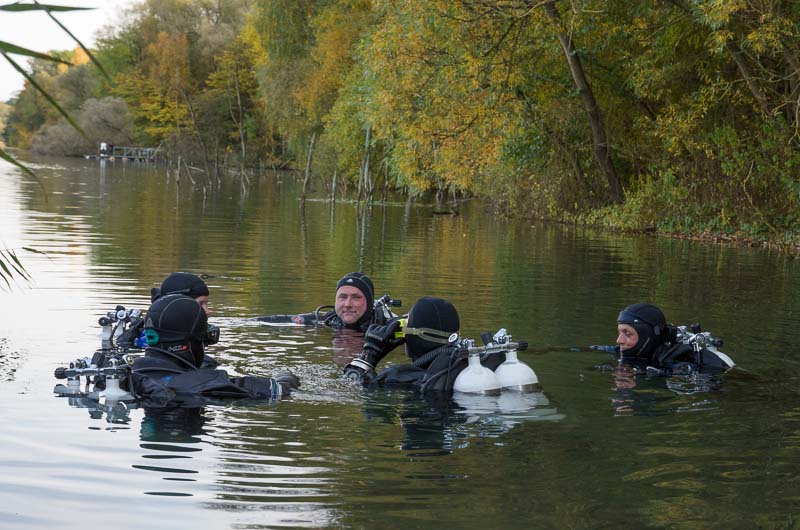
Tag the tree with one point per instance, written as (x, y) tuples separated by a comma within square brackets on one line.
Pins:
[(602, 151)]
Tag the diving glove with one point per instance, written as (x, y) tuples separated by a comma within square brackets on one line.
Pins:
[(288, 382), (359, 371), (379, 340)]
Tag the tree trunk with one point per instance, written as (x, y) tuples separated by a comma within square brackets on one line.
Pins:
[(793, 76), (308, 165), (601, 151), (197, 129), (240, 120), (738, 58), (367, 184)]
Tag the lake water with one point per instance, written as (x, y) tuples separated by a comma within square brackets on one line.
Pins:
[(586, 452)]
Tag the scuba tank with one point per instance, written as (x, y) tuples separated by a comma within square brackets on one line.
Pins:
[(476, 378), (701, 340), (511, 374)]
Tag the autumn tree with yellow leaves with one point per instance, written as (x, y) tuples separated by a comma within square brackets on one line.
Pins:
[(681, 115)]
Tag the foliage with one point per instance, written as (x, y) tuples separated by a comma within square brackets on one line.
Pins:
[(11, 267), (694, 104), (106, 120), (9, 263)]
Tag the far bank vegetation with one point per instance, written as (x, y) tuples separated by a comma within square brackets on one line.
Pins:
[(677, 115)]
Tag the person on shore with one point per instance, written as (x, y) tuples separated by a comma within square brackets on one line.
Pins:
[(353, 307), (427, 334), (172, 370)]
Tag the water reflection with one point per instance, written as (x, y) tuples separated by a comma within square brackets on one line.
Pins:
[(347, 344), (114, 412), (173, 424), (639, 392), (680, 455), (436, 424)]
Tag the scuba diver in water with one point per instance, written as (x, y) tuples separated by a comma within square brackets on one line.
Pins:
[(133, 337), (645, 340), (426, 333), (184, 283), (171, 370), (355, 307)]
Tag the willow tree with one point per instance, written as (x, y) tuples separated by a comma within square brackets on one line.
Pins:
[(309, 57), (439, 96)]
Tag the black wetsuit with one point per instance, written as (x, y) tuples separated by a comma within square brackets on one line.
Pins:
[(329, 319), (673, 358), (683, 357), (435, 371), (173, 377)]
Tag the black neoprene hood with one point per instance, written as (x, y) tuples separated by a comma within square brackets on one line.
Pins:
[(177, 318), (431, 313), (650, 324), (185, 283)]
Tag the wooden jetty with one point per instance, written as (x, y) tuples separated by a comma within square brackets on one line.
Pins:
[(125, 154)]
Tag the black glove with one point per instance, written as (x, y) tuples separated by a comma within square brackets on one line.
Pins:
[(381, 339), (288, 382), (358, 372), (378, 342)]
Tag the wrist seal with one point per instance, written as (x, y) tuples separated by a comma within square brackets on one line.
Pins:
[(362, 364)]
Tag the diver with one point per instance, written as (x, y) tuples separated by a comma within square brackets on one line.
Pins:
[(646, 341), (354, 307), (427, 334), (133, 337), (171, 370), (185, 283)]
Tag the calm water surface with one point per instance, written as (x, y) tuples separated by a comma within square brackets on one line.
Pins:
[(586, 452)]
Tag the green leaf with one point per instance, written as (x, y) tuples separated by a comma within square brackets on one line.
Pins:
[(40, 7), (17, 265), (5, 274), (43, 92), (8, 158), (7, 47), (35, 251), (76, 39)]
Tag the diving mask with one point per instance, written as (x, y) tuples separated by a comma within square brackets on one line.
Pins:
[(431, 335)]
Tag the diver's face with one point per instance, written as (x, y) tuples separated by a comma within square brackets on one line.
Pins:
[(203, 301), (627, 337), (350, 304)]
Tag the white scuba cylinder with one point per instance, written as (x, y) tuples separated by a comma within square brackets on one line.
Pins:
[(515, 374), (113, 392), (723, 357), (477, 379)]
